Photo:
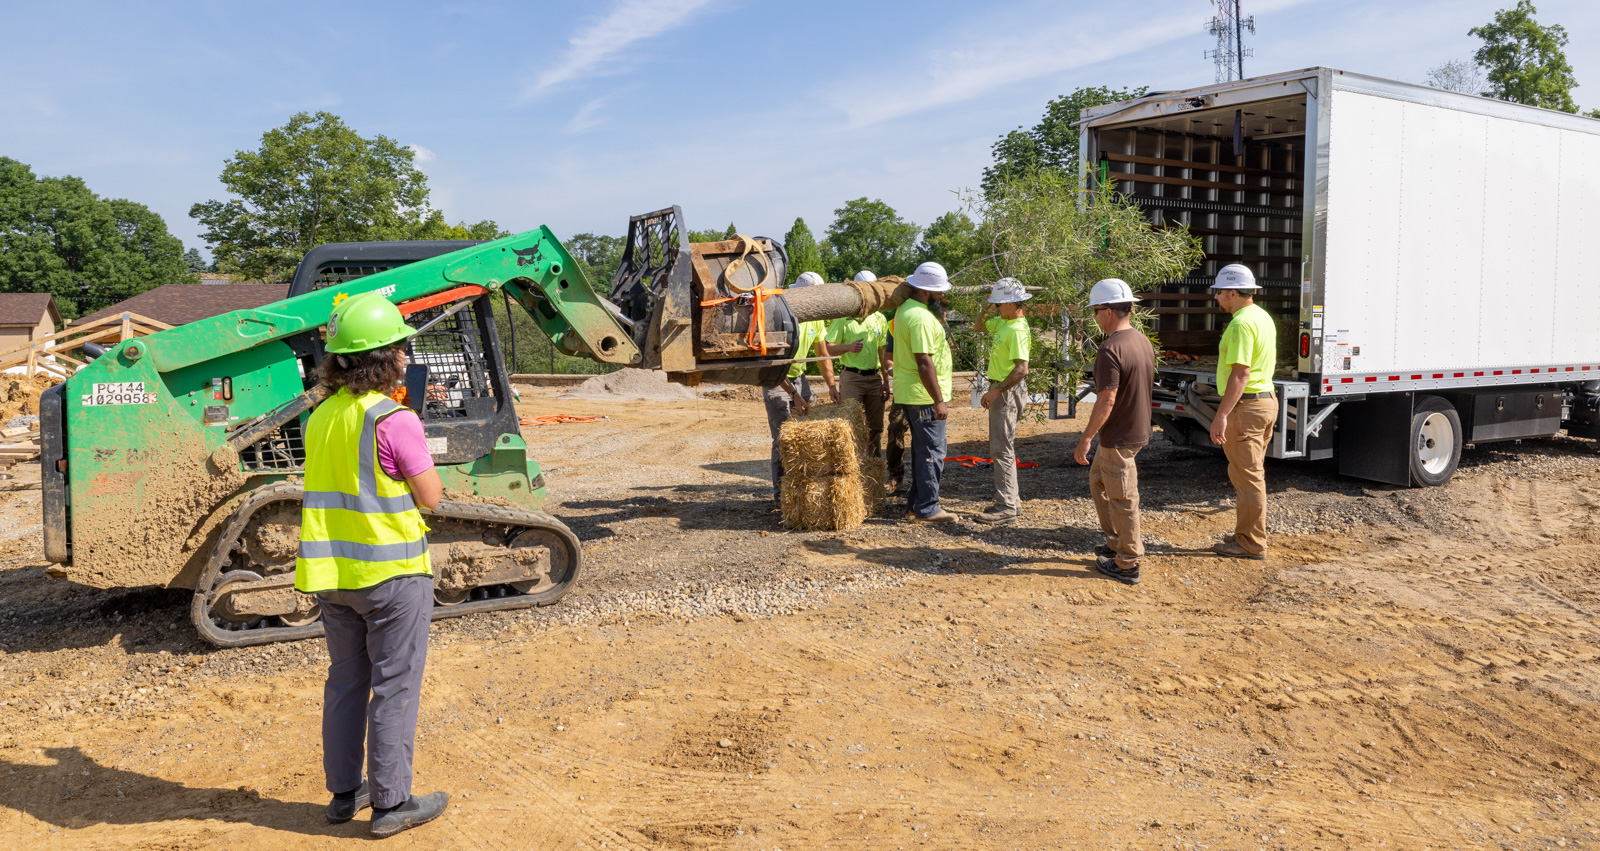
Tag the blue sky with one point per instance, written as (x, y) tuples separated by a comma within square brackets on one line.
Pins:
[(577, 115)]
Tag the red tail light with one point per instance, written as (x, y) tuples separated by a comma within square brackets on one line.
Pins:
[(1305, 345)]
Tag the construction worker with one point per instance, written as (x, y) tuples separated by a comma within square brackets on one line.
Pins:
[(794, 393), (922, 383), (1248, 411), (864, 367), (1124, 373), (364, 554), (1009, 342)]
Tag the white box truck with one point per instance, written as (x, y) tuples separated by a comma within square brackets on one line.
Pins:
[(1433, 259)]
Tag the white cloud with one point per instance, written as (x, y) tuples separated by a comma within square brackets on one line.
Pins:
[(987, 62), (421, 156), (586, 118), (629, 22)]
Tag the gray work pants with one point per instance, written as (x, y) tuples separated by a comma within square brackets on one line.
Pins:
[(1004, 412), (927, 459), (868, 390), (778, 404), (377, 646)]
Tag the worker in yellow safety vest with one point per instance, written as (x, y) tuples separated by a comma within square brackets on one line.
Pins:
[(364, 554)]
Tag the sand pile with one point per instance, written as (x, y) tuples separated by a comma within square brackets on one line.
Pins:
[(829, 481), (630, 384), (20, 395)]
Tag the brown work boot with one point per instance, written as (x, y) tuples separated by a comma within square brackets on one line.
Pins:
[(939, 517), (997, 517), (1231, 549)]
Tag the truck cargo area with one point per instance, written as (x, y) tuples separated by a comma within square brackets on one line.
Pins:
[(1243, 200)]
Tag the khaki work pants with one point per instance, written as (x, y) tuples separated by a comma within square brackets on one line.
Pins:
[(868, 390), (1114, 485), (1248, 431), (1004, 412)]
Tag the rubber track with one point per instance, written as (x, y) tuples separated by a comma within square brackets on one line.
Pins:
[(470, 512)]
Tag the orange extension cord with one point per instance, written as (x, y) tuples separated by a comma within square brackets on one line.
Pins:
[(559, 419), (970, 461)]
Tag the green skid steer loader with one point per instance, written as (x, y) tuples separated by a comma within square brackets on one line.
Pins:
[(174, 460)]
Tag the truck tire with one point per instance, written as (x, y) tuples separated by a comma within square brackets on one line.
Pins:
[(1435, 447)]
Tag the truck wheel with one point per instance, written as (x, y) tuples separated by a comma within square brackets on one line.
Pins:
[(1435, 441)]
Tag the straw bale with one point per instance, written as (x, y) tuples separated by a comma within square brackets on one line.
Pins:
[(832, 503), (829, 441), (873, 473)]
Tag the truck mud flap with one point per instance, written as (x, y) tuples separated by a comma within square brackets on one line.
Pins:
[(1373, 441)]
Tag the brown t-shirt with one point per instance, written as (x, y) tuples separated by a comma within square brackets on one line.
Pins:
[(1127, 363)]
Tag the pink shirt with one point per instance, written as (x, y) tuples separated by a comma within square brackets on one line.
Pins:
[(402, 448)]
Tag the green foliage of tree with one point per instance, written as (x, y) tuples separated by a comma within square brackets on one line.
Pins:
[(435, 227), (805, 255), (708, 235), (1042, 229), (870, 235), (600, 255), (1053, 142), (1524, 61), (194, 261), (57, 236), (1593, 113), (731, 232), (953, 241), (313, 181)]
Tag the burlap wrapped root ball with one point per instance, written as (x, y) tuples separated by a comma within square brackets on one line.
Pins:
[(823, 456)]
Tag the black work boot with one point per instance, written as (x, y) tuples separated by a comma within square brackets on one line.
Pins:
[(391, 820), (1107, 566), (345, 805)]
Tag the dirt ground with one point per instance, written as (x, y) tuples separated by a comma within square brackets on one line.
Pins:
[(1408, 668)]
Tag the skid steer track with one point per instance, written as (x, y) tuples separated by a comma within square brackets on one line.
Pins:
[(515, 559)]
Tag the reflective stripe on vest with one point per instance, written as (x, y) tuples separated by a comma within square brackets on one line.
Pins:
[(358, 526)]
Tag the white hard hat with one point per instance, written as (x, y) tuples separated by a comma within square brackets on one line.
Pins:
[(1006, 291), (1235, 277), (1111, 291), (807, 279), (930, 276), (865, 275)]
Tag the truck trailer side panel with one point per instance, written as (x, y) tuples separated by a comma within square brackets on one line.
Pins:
[(1460, 244)]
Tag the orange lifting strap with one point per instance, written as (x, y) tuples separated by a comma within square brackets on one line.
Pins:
[(758, 324)]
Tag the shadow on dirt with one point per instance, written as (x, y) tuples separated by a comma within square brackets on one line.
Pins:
[(78, 791), (38, 614)]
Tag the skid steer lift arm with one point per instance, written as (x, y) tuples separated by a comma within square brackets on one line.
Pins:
[(533, 267)]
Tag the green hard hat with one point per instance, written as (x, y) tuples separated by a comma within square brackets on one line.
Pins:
[(364, 322)]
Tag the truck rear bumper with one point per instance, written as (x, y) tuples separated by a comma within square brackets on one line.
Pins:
[(1184, 405)]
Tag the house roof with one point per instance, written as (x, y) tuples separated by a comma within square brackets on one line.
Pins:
[(27, 308), (180, 304)]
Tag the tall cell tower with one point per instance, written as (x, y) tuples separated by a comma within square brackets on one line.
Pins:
[(1228, 26)]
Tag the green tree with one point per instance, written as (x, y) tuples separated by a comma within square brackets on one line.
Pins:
[(435, 227), (870, 235), (601, 256), (953, 241), (194, 261), (731, 232), (312, 181), (57, 236), (1593, 113), (805, 255), (1524, 61), (1053, 142), (711, 235), (1042, 229)]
